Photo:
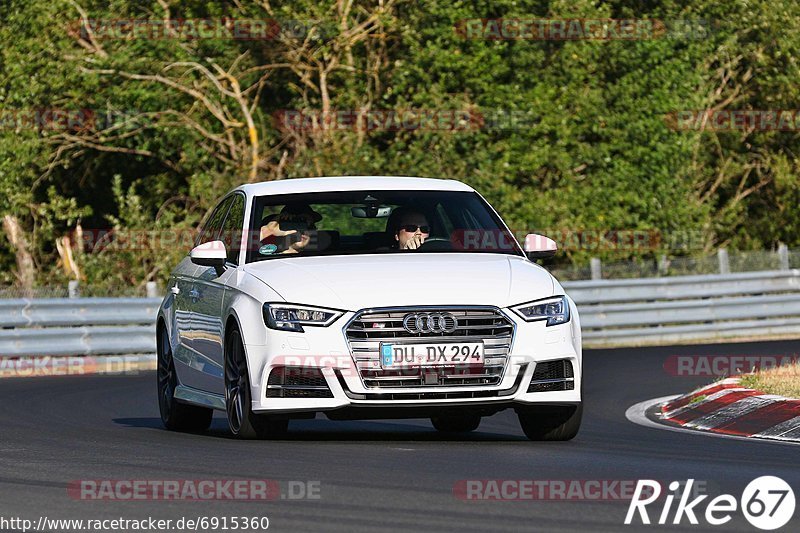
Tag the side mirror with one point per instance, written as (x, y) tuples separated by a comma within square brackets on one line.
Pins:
[(539, 247), (210, 254)]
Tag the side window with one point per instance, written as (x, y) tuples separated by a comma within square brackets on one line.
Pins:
[(445, 220), (232, 229), (213, 225), (469, 220)]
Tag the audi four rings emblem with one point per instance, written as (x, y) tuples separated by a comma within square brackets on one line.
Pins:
[(430, 323)]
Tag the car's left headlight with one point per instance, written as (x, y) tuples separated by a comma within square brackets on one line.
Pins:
[(555, 310), (290, 317)]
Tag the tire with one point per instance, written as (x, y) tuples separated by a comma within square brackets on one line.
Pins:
[(456, 423), (242, 421), (551, 423), (175, 416)]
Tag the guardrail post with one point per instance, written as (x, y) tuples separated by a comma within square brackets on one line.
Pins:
[(783, 256), (663, 265), (74, 289), (152, 289), (724, 264), (597, 269)]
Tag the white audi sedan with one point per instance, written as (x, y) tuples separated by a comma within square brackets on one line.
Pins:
[(366, 298)]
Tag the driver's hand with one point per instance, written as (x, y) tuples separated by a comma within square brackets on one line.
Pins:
[(414, 242), (299, 245), (274, 228)]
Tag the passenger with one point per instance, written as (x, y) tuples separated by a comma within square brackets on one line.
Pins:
[(277, 229)]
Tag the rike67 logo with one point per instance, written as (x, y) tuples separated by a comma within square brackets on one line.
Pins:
[(767, 503)]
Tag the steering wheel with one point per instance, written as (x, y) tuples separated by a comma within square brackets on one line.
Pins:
[(436, 244)]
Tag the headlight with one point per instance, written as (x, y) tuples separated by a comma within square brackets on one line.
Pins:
[(554, 310), (290, 317)]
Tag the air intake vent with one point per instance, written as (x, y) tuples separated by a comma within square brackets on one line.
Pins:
[(297, 382), (552, 376)]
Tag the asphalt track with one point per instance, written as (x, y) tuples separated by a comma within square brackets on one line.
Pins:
[(373, 476)]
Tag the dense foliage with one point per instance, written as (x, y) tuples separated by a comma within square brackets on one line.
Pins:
[(104, 130)]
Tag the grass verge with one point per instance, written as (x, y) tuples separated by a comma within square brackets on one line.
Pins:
[(698, 399), (782, 380)]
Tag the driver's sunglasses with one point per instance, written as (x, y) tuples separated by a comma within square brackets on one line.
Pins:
[(412, 228)]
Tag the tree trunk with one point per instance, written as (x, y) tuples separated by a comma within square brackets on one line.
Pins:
[(25, 268)]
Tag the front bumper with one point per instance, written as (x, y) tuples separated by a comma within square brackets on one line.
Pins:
[(327, 349)]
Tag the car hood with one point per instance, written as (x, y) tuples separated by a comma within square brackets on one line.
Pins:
[(364, 281)]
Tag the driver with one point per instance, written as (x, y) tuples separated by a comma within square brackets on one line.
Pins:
[(293, 219), (409, 227)]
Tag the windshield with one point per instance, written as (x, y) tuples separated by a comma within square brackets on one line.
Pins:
[(375, 222)]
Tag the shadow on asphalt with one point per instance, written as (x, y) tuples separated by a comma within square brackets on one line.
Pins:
[(326, 430)]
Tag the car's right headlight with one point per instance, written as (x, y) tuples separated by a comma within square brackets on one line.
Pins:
[(291, 317), (554, 310)]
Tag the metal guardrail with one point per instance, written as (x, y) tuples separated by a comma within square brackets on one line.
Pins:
[(77, 326), (77, 311), (681, 309), (628, 312), (683, 287)]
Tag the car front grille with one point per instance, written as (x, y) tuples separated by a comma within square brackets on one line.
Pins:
[(474, 324)]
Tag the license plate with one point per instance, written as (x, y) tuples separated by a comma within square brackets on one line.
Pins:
[(439, 354)]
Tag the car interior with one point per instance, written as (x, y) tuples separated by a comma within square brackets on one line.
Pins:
[(325, 237)]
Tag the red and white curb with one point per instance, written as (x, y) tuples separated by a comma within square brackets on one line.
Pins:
[(725, 408), (26, 367)]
